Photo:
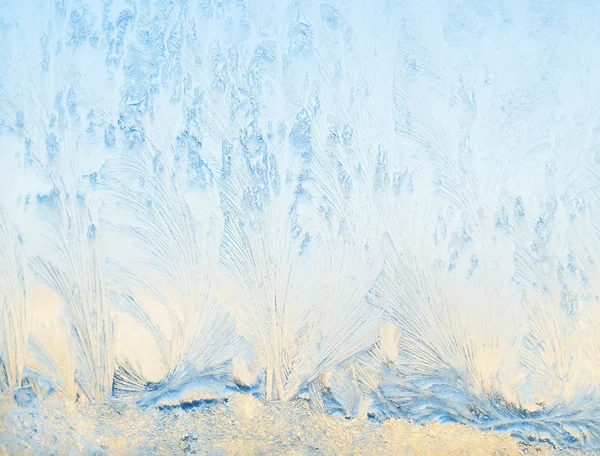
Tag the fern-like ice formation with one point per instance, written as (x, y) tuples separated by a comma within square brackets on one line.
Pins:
[(388, 210), (15, 302)]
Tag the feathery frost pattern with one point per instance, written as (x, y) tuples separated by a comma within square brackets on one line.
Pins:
[(383, 211), (16, 311)]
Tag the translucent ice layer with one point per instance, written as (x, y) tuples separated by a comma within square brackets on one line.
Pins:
[(384, 209)]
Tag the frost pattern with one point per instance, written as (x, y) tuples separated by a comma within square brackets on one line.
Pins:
[(389, 211), (14, 330)]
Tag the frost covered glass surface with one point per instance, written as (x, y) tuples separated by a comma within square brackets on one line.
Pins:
[(239, 227)]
